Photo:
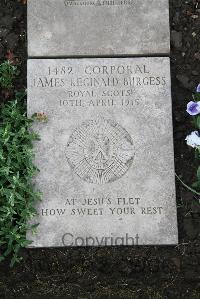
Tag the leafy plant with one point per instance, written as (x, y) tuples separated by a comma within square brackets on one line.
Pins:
[(17, 194), (8, 72), (193, 140)]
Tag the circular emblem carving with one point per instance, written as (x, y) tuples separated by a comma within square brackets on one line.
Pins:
[(100, 151)]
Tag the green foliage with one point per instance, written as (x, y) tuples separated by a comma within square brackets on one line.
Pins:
[(17, 194), (196, 185), (8, 72), (196, 121), (196, 98)]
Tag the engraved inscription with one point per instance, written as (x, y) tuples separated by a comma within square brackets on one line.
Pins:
[(98, 2), (100, 151)]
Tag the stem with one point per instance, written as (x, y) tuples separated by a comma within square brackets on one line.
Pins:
[(186, 186)]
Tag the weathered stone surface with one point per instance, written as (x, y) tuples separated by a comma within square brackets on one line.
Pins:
[(60, 28), (106, 153)]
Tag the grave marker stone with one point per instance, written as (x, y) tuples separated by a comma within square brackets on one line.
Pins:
[(106, 153), (63, 28)]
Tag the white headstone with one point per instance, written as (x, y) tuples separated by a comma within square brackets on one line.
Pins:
[(106, 153), (60, 28)]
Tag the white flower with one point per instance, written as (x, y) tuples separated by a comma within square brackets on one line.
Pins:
[(193, 139)]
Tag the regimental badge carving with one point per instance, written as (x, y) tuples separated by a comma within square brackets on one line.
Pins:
[(100, 151)]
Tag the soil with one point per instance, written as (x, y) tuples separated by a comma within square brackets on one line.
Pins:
[(134, 272)]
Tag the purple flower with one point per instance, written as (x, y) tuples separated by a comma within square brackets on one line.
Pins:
[(193, 108), (198, 88)]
